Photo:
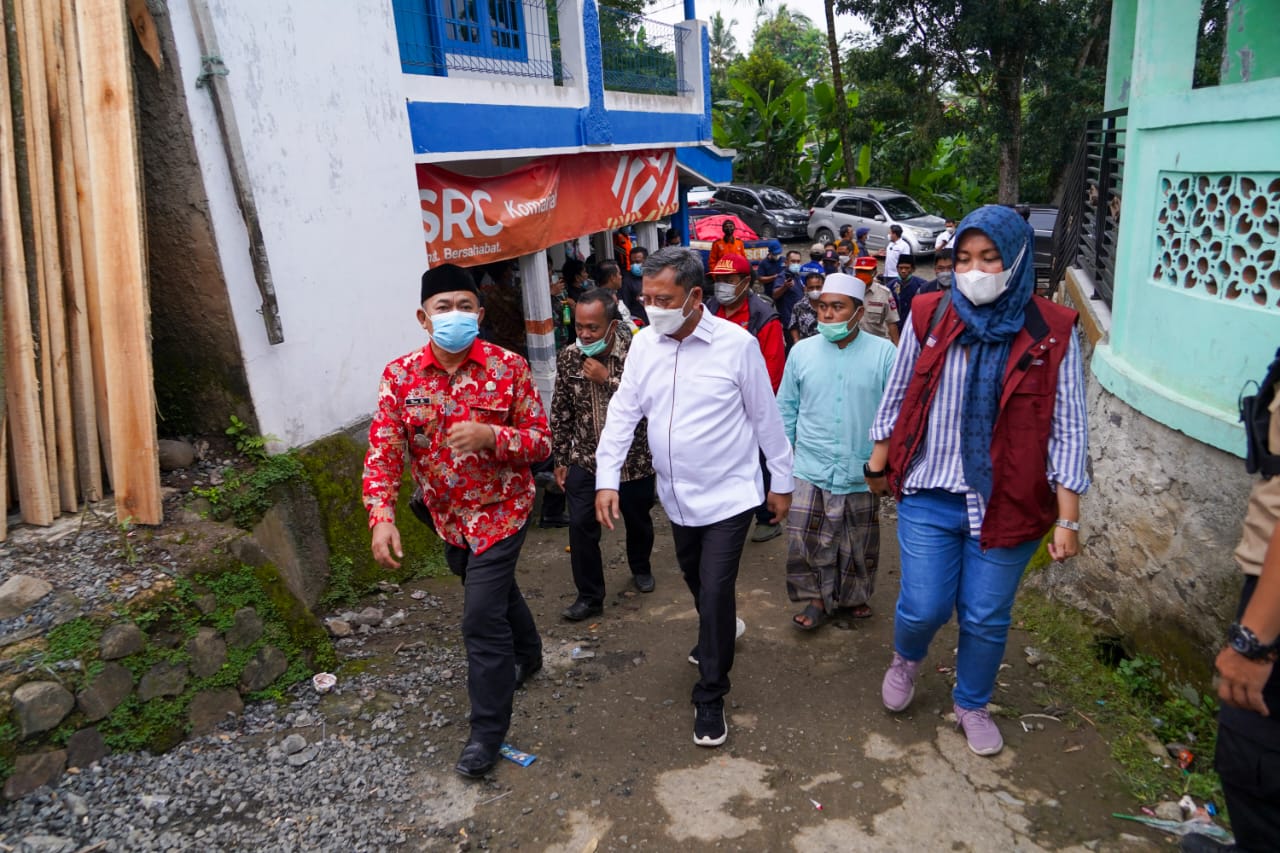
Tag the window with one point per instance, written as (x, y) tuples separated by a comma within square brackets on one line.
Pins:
[(489, 28), (778, 200), (849, 207), (902, 207), (823, 200)]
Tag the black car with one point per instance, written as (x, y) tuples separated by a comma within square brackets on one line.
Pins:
[(1043, 219), (770, 211)]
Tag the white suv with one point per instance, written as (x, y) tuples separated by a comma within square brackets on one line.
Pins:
[(875, 208)]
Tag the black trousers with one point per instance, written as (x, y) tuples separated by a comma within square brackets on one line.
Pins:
[(635, 499), (708, 558), (553, 502), (763, 514), (497, 629)]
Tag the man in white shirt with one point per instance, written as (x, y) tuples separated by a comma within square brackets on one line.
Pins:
[(702, 383), (896, 248), (944, 239)]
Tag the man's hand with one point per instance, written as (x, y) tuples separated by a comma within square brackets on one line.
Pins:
[(878, 485), (1066, 543), (595, 371), (607, 507), (470, 437), (386, 542), (779, 505), (561, 474), (1240, 685)]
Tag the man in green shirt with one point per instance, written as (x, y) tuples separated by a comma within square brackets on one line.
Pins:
[(830, 391)]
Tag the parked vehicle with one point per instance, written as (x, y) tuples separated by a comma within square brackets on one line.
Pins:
[(875, 208), (700, 196), (1043, 219), (705, 229), (771, 211)]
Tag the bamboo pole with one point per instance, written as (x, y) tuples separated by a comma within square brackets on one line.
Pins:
[(84, 422), (106, 66), (93, 298), (21, 385), (59, 440)]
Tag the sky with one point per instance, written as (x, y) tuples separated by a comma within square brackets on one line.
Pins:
[(744, 12)]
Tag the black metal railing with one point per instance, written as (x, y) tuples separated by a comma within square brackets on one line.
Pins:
[(1089, 216), (640, 54)]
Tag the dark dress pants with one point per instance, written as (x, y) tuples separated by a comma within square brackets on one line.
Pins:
[(708, 558), (635, 499), (497, 629)]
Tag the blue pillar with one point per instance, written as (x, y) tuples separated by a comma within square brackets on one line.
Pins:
[(680, 219), (690, 14)]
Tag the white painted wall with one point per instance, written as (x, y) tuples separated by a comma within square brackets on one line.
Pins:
[(318, 93)]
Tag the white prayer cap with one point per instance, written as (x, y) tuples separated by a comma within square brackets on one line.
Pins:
[(843, 284)]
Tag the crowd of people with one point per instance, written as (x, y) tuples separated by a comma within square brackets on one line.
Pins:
[(788, 395)]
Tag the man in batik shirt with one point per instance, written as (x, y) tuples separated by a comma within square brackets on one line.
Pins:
[(469, 415)]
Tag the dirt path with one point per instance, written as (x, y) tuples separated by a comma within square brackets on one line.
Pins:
[(617, 769)]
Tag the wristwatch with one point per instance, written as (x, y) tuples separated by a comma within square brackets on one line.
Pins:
[(1246, 643), (1068, 524), (868, 474)]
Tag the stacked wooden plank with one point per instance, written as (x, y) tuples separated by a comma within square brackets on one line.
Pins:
[(75, 357)]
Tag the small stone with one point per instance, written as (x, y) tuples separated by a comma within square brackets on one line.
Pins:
[(266, 666), (40, 706), (86, 747), (293, 743), (207, 604), (107, 690), (555, 795), (20, 592), (208, 652), (1009, 799), (304, 757), (338, 627), (122, 640), (369, 616), (163, 679), (47, 844), (246, 628), (75, 804), (175, 454), (418, 594), (1154, 746), (395, 620), (209, 708), (154, 802), (1168, 810), (32, 771)]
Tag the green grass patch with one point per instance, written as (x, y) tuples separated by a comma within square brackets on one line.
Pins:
[(72, 640), (1130, 702)]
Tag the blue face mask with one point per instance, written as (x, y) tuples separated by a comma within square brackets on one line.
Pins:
[(454, 331), (635, 269), (793, 267), (836, 332)]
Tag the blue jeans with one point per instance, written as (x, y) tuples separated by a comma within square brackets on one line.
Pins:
[(944, 569)]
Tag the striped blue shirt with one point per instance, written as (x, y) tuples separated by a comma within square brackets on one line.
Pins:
[(938, 463)]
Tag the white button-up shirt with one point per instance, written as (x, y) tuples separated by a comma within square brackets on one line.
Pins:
[(711, 411)]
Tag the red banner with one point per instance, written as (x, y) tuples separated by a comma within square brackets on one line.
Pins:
[(469, 221)]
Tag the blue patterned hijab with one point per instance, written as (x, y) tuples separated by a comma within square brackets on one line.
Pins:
[(989, 331)]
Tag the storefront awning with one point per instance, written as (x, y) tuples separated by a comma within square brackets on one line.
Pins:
[(705, 165)]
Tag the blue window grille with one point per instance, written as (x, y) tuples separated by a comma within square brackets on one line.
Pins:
[(514, 38)]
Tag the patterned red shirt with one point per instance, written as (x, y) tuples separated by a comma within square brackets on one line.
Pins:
[(475, 499)]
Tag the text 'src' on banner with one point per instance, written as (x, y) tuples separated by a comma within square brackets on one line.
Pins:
[(470, 221)]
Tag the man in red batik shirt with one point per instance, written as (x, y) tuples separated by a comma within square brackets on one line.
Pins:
[(472, 421)]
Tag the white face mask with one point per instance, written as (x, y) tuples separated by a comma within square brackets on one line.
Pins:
[(726, 292), (982, 288), (813, 294), (667, 321)]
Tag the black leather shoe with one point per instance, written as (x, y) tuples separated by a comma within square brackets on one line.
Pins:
[(526, 669), (476, 760), (580, 610), (644, 583), (554, 521)]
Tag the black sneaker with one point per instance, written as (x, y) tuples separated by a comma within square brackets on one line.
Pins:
[(709, 727)]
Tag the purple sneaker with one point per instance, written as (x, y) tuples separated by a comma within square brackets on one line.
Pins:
[(899, 685), (979, 729)]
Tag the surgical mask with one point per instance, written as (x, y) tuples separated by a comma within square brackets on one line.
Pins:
[(454, 331), (944, 278), (635, 269), (667, 321), (795, 268), (813, 294), (844, 259), (593, 350), (835, 332), (726, 292), (983, 288)]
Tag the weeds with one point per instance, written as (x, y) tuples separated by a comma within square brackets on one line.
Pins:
[(252, 446), (244, 498)]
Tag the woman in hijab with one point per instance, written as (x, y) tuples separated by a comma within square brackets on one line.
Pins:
[(982, 438)]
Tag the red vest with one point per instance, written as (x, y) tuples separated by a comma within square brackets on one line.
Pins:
[(1022, 505)]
